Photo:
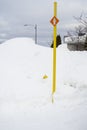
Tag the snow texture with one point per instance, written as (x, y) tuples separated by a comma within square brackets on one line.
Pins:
[(25, 97)]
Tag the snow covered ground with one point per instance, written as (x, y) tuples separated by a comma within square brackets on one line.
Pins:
[(25, 97)]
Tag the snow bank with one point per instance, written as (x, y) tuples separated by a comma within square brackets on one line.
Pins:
[(72, 67), (25, 97), (23, 65)]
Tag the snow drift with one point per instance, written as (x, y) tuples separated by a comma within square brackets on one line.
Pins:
[(25, 97)]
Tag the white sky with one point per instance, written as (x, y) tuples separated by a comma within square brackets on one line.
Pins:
[(15, 13)]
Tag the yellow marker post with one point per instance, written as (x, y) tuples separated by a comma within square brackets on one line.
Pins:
[(54, 51), (54, 21)]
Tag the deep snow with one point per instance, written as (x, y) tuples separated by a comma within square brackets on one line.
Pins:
[(25, 97)]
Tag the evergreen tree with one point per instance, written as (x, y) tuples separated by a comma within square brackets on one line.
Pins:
[(58, 41)]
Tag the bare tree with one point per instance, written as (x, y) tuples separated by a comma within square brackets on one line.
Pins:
[(79, 30), (82, 19)]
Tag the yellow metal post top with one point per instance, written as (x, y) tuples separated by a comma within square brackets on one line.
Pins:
[(55, 8)]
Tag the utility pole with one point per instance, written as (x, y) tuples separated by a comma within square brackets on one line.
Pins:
[(35, 27), (36, 33)]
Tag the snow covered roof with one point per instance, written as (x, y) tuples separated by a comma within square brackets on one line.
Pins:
[(75, 39)]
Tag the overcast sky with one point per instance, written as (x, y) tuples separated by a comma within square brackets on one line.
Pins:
[(15, 13)]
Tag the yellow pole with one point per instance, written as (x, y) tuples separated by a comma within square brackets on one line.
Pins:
[(54, 51)]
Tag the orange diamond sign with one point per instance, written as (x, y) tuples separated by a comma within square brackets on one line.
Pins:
[(54, 21)]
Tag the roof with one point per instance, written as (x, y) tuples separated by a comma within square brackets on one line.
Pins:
[(75, 39)]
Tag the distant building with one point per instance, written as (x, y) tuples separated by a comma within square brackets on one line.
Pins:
[(76, 42)]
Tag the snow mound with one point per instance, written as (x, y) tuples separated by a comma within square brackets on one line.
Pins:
[(20, 40), (23, 65), (25, 97)]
